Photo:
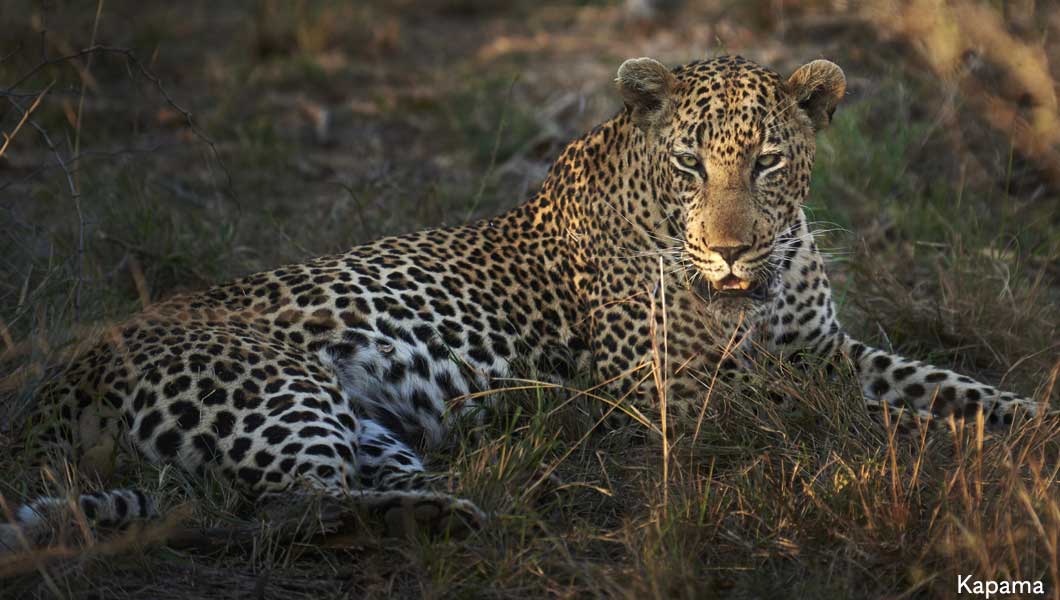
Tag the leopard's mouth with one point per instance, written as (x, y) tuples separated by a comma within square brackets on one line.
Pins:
[(734, 287)]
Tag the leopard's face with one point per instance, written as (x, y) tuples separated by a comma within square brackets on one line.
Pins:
[(732, 147)]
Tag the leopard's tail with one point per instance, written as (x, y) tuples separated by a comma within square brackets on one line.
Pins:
[(38, 522)]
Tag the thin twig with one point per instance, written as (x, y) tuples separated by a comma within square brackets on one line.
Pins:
[(8, 137), (85, 75), (493, 153), (88, 154), (75, 195), (18, 49)]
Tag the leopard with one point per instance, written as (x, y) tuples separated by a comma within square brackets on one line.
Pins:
[(683, 213)]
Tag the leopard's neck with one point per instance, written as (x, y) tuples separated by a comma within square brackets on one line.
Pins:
[(600, 199)]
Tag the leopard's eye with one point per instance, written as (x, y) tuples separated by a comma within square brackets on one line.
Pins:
[(688, 161), (767, 161)]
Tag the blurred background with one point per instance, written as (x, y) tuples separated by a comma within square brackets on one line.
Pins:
[(154, 147)]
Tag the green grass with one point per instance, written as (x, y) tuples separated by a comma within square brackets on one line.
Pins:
[(938, 261), (815, 502)]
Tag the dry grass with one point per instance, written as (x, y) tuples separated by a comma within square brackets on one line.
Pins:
[(315, 126)]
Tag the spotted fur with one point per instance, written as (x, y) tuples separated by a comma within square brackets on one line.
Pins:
[(683, 211)]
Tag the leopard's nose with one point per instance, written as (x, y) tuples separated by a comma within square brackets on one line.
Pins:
[(730, 253)]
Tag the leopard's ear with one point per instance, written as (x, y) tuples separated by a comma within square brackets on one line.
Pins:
[(647, 88), (818, 87)]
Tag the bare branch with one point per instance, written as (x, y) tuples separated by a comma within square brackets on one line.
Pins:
[(146, 73)]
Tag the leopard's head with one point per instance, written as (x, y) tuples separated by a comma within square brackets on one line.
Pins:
[(729, 147)]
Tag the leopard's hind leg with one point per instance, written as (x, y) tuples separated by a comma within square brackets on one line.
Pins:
[(386, 480), (266, 416)]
